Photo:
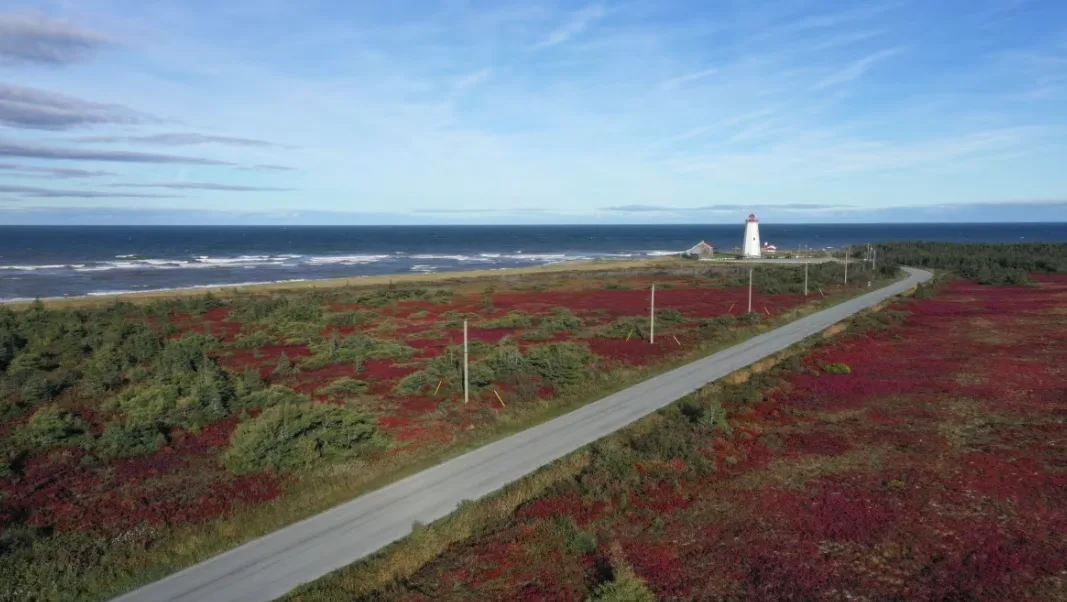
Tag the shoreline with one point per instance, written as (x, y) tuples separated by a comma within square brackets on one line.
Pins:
[(225, 290)]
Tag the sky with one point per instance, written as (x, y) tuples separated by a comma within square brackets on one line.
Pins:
[(485, 112)]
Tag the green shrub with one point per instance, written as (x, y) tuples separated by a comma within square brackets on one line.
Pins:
[(272, 396), (749, 318), (253, 340), (837, 368), (125, 438), (294, 436), (670, 316), (36, 389), (354, 348), (103, 372), (392, 294), (515, 319), (352, 318), (284, 366), (625, 327), (28, 364), (191, 399), (416, 383), (250, 382), (344, 386), (582, 542), (561, 364), (51, 427), (625, 585), (561, 320), (579, 541), (184, 356), (717, 326), (508, 360), (447, 369)]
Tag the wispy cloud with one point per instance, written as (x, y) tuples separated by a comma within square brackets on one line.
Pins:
[(576, 24), (28, 108), (773, 206), (674, 82), (855, 69), (50, 193), (40, 151), (472, 79), (444, 210), (266, 167), (637, 208), (53, 172), (723, 207), (177, 139), (27, 38), (204, 186)]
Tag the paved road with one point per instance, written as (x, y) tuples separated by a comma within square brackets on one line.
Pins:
[(270, 566)]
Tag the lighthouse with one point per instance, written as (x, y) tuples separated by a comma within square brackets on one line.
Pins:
[(751, 247)]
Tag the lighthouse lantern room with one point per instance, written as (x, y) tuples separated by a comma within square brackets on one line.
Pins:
[(751, 247)]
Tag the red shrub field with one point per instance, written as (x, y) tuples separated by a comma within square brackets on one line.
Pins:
[(934, 468), (144, 400)]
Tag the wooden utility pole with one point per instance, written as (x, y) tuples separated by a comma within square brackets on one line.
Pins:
[(749, 290), (874, 258), (466, 377), (805, 279), (846, 265), (652, 318)]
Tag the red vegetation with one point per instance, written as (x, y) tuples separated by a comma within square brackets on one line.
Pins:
[(933, 471), (178, 484), (68, 490)]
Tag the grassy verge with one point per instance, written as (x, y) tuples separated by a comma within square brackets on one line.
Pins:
[(401, 560)]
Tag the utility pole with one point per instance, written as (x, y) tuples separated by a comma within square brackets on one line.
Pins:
[(874, 258), (749, 290), (466, 377), (846, 265), (652, 318), (805, 279)]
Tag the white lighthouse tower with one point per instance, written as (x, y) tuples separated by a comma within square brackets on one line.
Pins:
[(751, 247)]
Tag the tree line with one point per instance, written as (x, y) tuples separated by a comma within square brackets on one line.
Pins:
[(985, 263)]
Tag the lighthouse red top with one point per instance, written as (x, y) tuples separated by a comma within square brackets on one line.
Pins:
[(752, 217)]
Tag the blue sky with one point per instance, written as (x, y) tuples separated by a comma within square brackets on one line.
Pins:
[(453, 111)]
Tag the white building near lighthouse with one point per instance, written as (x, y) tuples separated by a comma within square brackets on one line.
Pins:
[(751, 248)]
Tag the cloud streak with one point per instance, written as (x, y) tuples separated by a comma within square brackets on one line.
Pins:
[(38, 151), (856, 69), (178, 139), (472, 79), (724, 207), (674, 82), (29, 108), (33, 39), (579, 22), (267, 167), (51, 193), (204, 186), (53, 172)]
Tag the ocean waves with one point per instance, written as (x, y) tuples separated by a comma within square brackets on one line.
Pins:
[(417, 261), (131, 272)]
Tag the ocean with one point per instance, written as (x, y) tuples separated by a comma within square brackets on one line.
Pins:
[(63, 261)]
